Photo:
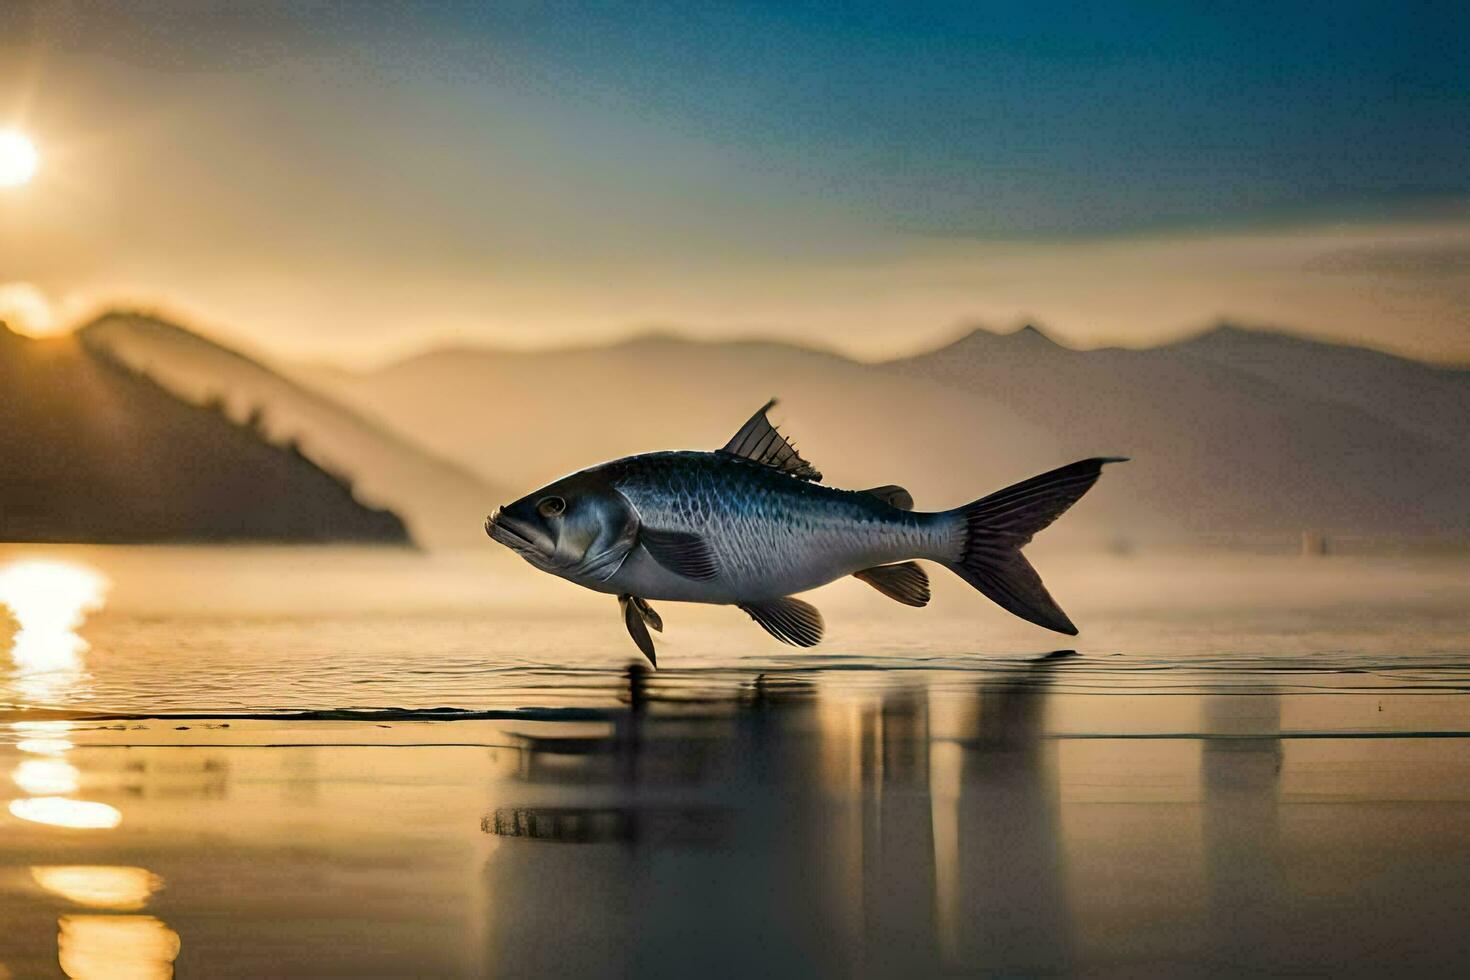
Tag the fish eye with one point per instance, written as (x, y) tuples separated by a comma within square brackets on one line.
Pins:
[(551, 506)]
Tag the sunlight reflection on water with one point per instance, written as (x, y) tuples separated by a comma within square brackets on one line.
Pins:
[(136, 947), (58, 811), (124, 889), (49, 600), (46, 777)]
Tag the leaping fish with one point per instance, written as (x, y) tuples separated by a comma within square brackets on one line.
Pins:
[(750, 524)]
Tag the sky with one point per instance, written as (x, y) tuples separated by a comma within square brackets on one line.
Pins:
[(351, 182)]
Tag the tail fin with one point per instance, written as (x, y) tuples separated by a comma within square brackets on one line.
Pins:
[(997, 527)]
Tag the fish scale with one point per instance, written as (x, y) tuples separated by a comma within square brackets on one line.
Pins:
[(772, 533)]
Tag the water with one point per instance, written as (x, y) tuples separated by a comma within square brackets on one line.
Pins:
[(244, 762), (185, 630)]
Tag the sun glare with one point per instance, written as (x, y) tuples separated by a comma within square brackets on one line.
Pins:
[(18, 158), (26, 310), (48, 600)]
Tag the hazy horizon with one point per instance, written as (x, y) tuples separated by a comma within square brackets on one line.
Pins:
[(17, 301), (353, 188)]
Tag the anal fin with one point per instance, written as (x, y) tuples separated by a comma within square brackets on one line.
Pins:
[(905, 582), (788, 620)]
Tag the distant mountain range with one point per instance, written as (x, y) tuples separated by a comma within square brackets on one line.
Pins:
[(136, 429), (1248, 431), (94, 452), (1233, 432)]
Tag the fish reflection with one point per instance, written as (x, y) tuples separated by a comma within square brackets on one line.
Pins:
[(49, 600), (58, 811), (121, 889), (592, 825), (840, 833), (1240, 770), (116, 947), (694, 805), (1000, 894)]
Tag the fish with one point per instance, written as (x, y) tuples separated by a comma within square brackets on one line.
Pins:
[(751, 525)]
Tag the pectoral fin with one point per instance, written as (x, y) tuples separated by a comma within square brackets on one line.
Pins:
[(905, 582), (637, 628), (681, 552), (788, 620)]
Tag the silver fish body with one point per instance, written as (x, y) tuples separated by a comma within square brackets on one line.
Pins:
[(751, 524), (772, 534)]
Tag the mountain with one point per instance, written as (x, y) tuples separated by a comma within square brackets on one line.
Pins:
[(1234, 434), (529, 417), (1241, 431), (95, 453), (1429, 400), (443, 504)]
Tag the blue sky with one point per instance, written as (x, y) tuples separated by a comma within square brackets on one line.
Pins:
[(1037, 118), (370, 177)]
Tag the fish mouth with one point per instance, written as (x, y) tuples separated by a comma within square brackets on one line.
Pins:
[(502, 529)]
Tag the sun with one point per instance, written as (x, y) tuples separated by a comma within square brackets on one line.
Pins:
[(18, 158)]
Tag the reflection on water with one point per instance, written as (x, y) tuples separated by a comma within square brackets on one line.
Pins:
[(49, 777), (1000, 897), (48, 601), (122, 889), (116, 947), (902, 830), (855, 826), (805, 824), (48, 738), (1240, 774), (934, 807), (58, 811), (46, 777), (100, 946), (591, 825)]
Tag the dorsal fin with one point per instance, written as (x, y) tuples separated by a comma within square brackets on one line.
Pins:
[(893, 496), (759, 441)]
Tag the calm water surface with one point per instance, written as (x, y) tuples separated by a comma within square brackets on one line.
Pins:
[(255, 762)]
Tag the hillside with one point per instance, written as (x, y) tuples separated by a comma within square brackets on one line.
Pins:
[(1244, 431), (443, 504), (1429, 400), (94, 453)]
